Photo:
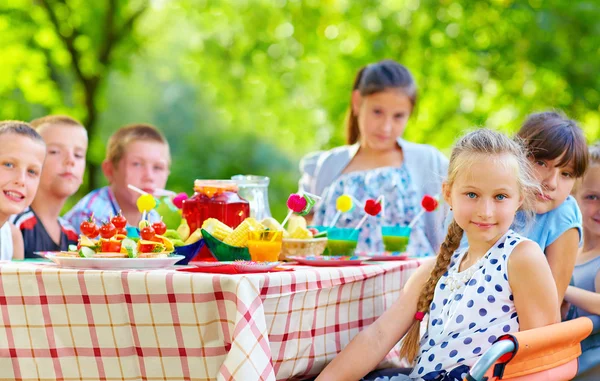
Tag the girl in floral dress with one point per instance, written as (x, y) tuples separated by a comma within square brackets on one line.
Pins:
[(378, 162)]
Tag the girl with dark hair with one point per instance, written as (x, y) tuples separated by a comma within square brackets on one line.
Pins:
[(377, 161), (558, 152)]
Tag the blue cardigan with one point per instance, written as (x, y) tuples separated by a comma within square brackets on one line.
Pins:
[(426, 166)]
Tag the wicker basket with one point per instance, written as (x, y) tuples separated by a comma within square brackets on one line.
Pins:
[(302, 247)]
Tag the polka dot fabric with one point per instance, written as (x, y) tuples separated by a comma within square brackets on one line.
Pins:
[(470, 309)]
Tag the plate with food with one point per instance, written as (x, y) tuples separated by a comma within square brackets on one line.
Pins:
[(109, 247)]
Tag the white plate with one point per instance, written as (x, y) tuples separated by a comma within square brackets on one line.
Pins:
[(115, 263)]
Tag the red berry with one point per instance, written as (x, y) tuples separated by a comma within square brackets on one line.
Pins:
[(159, 227), (296, 203), (119, 221), (147, 233), (372, 207), (429, 203), (88, 228), (108, 230), (179, 199)]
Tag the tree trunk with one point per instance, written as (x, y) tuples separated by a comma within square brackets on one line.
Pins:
[(90, 122)]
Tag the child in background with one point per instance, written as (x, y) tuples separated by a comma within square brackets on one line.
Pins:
[(378, 162), (136, 154), (21, 161), (584, 295), (472, 295), (66, 147), (559, 154)]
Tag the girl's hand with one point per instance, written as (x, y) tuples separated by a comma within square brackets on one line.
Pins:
[(586, 300)]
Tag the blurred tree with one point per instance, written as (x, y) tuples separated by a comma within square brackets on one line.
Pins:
[(79, 42), (249, 86)]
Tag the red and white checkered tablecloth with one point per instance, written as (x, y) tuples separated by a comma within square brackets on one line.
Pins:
[(68, 325)]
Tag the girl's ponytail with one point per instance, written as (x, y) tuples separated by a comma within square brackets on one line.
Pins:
[(352, 131)]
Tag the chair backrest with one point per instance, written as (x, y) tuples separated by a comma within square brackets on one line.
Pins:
[(546, 353)]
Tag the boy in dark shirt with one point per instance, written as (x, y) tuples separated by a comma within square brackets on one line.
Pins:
[(66, 147)]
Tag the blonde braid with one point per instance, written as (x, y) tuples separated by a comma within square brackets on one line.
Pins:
[(410, 345)]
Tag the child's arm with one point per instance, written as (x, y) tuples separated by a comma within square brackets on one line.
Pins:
[(17, 240), (561, 255), (371, 345), (586, 300), (533, 287)]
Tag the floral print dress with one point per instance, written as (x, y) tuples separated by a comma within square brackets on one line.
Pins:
[(401, 205)]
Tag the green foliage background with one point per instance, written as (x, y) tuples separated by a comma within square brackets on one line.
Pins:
[(249, 86)]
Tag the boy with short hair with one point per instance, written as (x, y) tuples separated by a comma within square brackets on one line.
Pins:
[(21, 160), (41, 226), (136, 154)]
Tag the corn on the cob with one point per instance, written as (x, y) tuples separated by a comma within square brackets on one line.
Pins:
[(301, 233), (217, 229), (239, 237)]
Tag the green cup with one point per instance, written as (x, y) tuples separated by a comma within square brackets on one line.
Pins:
[(341, 241), (395, 238)]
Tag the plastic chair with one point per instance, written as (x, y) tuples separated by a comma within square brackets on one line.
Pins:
[(548, 353)]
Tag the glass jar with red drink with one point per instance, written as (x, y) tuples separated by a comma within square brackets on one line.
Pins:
[(215, 199)]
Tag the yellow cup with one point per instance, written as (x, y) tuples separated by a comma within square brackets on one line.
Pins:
[(265, 245)]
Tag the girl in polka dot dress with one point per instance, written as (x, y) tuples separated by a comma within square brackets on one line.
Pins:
[(500, 283)]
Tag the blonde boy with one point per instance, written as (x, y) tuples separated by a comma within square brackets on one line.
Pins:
[(136, 154), (21, 161), (66, 147)]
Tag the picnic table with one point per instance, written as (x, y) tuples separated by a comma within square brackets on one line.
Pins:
[(66, 325)]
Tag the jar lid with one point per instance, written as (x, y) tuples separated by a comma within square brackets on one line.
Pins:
[(212, 187)]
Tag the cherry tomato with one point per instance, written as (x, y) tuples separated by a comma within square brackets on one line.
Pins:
[(89, 229), (108, 230), (146, 247), (159, 227), (121, 231), (147, 233), (94, 233), (110, 246), (119, 221)]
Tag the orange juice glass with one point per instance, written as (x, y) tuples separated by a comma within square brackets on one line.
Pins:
[(264, 245)]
